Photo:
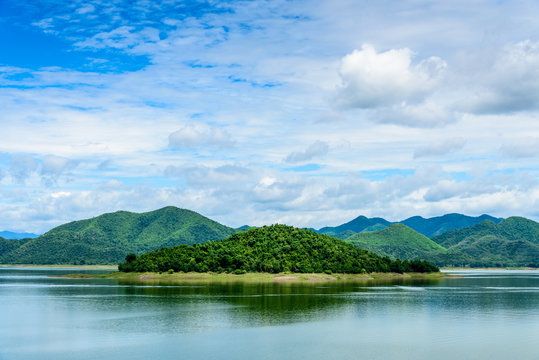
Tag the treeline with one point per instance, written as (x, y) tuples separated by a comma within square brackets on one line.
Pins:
[(271, 249)]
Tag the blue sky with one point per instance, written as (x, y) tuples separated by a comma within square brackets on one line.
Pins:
[(308, 113)]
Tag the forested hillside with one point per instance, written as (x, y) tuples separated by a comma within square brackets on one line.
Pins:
[(396, 241), (106, 239), (273, 249), (7, 245), (512, 242)]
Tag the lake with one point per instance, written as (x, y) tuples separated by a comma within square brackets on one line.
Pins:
[(482, 315)]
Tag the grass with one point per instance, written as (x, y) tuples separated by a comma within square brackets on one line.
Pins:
[(193, 277)]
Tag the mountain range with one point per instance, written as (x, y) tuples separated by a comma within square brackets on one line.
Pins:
[(429, 227), (449, 240), (106, 239), (512, 242)]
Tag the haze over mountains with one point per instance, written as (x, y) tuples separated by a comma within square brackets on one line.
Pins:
[(448, 240), (16, 235)]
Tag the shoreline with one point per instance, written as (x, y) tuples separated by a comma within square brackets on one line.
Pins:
[(193, 277), (486, 268), (59, 266)]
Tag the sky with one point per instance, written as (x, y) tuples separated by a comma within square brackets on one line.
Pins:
[(308, 113)]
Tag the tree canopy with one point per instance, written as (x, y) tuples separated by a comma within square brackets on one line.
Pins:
[(273, 249)]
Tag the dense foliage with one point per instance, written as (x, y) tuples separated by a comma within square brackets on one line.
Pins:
[(273, 249), (396, 241), (107, 239), (7, 245), (512, 242)]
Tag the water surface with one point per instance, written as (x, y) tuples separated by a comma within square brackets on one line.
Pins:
[(483, 315)]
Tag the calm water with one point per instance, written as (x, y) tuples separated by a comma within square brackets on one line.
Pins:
[(483, 315)]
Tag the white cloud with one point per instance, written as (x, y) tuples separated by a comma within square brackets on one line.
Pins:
[(123, 37), (424, 115), (260, 81), (195, 135), (371, 79), (22, 166), (88, 8), (55, 165), (44, 24), (440, 148), (523, 148), (233, 177), (316, 149), (510, 85)]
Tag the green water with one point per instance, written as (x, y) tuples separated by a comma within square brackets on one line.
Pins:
[(483, 315)]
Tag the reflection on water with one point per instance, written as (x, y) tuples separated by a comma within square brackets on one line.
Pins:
[(483, 315)]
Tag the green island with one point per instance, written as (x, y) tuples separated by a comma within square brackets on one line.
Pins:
[(276, 253), (271, 249)]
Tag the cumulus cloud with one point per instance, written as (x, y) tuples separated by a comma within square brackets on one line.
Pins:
[(194, 135), (316, 149), (528, 147), (200, 176), (511, 84), (372, 79), (440, 148), (55, 165), (50, 167), (21, 166), (427, 114), (273, 190)]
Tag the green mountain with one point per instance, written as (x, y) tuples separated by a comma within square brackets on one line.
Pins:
[(512, 242), (438, 225), (107, 238), (270, 249), (359, 224), (397, 241)]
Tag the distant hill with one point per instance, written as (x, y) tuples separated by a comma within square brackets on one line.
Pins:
[(438, 225), (106, 239), (429, 227), (396, 241), (244, 228), (359, 224), (15, 235), (272, 249), (512, 242)]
